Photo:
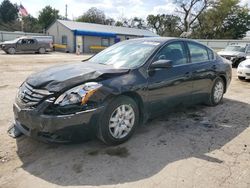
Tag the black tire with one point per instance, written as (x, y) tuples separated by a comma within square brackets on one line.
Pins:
[(104, 131), (42, 50), (241, 78), (11, 50), (212, 100)]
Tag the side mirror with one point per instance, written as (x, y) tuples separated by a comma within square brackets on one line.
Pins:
[(161, 64)]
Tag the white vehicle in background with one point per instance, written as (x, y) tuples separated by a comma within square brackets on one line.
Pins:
[(243, 71), (236, 53)]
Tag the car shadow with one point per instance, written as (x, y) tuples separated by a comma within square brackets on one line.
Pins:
[(24, 53), (189, 132)]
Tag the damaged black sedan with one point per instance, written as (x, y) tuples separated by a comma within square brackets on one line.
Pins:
[(121, 87)]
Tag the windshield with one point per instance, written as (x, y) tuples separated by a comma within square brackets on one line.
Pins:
[(127, 54), (235, 48)]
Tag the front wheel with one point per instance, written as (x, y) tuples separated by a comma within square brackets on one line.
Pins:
[(119, 121), (217, 92), (11, 51)]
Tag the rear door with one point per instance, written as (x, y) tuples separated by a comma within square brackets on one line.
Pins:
[(204, 67), (172, 86), (31, 45)]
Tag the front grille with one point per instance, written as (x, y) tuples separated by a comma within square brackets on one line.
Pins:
[(30, 96)]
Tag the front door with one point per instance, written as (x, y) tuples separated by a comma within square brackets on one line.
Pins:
[(172, 86), (22, 45)]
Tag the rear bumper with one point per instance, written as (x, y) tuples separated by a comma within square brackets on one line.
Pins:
[(47, 127)]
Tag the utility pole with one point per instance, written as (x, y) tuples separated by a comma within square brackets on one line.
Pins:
[(66, 12)]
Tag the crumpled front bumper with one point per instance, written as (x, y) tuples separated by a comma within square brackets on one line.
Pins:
[(50, 127)]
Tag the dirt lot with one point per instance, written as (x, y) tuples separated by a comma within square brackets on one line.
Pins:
[(197, 147)]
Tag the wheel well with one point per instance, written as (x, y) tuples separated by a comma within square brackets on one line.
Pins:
[(138, 101), (225, 82)]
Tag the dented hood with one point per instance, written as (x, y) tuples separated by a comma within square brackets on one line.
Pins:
[(57, 78)]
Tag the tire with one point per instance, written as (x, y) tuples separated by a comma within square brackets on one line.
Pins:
[(11, 50), (217, 92), (241, 78), (41, 50), (116, 129)]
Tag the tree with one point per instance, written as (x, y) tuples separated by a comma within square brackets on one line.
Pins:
[(138, 23), (47, 16), (119, 24), (191, 10), (226, 19), (135, 22), (109, 21), (165, 25), (239, 18), (30, 24), (8, 11), (93, 15)]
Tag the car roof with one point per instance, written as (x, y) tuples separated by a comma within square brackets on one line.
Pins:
[(163, 39)]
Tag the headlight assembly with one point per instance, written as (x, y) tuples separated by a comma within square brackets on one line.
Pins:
[(78, 95), (240, 65)]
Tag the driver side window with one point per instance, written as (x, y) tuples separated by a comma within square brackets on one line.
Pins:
[(175, 52), (24, 41), (248, 49)]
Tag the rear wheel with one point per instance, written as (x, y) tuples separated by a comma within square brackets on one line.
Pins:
[(241, 78), (217, 92), (11, 50), (41, 50), (119, 121)]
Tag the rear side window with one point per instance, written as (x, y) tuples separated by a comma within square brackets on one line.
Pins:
[(198, 53), (30, 41)]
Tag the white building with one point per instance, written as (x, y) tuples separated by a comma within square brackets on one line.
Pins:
[(88, 35)]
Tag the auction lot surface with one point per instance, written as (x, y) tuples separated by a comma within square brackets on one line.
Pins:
[(195, 147)]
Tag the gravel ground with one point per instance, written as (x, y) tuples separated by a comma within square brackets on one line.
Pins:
[(195, 147)]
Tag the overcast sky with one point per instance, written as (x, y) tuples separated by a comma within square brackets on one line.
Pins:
[(112, 8)]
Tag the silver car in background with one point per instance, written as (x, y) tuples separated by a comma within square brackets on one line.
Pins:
[(236, 53)]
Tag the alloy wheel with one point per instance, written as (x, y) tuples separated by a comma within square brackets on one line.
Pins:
[(218, 91), (122, 121)]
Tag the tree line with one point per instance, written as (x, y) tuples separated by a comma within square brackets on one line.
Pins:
[(204, 19)]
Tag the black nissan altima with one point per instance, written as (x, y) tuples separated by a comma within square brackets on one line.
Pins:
[(121, 87)]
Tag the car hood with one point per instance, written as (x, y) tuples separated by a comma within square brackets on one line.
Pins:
[(245, 63), (6, 42), (231, 53), (62, 77)]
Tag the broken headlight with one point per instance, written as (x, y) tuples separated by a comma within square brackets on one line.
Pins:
[(78, 95)]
